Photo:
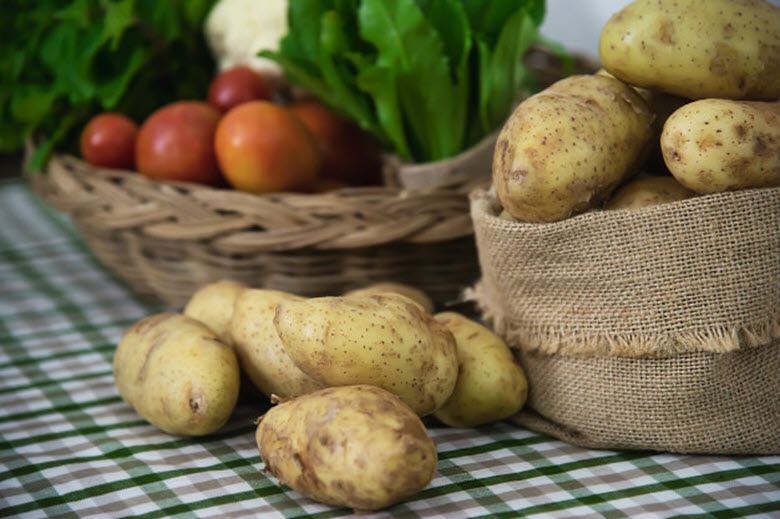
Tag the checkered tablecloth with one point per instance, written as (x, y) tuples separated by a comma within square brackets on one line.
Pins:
[(70, 447)]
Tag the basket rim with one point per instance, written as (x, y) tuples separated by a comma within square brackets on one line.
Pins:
[(112, 200)]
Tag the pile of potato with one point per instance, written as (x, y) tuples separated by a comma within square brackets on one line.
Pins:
[(351, 375), (686, 104)]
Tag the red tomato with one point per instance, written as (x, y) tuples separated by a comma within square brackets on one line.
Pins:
[(349, 154), (177, 143), (108, 140), (262, 147), (237, 85)]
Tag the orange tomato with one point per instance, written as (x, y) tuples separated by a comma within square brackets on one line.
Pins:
[(262, 147)]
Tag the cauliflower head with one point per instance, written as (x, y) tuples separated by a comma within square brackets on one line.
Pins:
[(236, 30)]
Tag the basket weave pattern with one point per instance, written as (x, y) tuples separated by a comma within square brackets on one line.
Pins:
[(166, 239)]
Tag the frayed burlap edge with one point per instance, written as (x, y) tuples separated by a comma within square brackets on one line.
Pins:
[(557, 341)]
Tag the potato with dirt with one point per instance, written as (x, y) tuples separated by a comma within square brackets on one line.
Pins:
[(565, 149), (352, 446), (386, 340), (260, 351), (715, 145), (176, 373), (491, 385), (695, 49), (409, 291), (647, 191), (212, 304)]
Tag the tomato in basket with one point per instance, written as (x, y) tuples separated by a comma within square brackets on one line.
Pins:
[(108, 141), (349, 154), (262, 147), (177, 143), (238, 85)]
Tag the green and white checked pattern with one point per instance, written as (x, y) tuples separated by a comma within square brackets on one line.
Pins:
[(69, 446)]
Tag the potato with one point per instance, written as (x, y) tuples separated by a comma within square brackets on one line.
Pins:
[(260, 351), (175, 373), (212, 304), (386, 340), (715, 145), (661, 106), (413, 293), (647, 191), (491, 385), (647, 95), (695, 49), (354, 446), (564, 150)]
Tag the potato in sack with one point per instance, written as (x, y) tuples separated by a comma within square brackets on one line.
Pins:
[(718, 48), (564, 150), (715, 145), (648, 190)]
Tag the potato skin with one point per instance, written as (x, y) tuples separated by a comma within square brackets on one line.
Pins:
[(491, 385), (260, 351), (715, 145), (353, 446), (695, 49), (565, 149), (175, 373), (212, 304), (386, 340), (411, 292), (648, 191)]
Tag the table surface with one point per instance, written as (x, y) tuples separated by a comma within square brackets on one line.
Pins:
[(70, 447)]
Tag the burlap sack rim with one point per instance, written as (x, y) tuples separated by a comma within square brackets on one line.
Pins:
[(486, 201), (550, 341)]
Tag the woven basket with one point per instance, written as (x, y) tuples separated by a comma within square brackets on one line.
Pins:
[(166, 239)]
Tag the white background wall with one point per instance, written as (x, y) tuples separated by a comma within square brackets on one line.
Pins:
[(577, 24)]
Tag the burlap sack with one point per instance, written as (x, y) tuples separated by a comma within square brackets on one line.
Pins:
[(656, 328)]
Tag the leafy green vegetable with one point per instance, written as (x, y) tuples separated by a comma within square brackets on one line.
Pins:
[(63, 61), (429, 78)]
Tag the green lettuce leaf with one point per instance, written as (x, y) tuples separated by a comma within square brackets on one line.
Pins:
[(428, 78), (408, 44)]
